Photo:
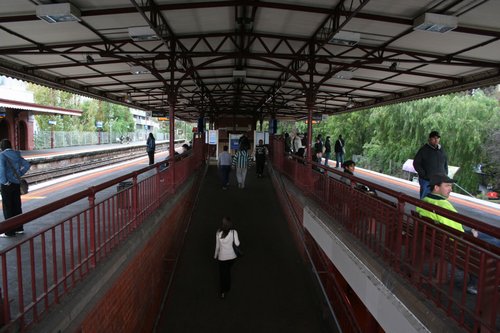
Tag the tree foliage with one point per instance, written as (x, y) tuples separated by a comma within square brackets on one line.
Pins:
[(114, 117), (386, 137)]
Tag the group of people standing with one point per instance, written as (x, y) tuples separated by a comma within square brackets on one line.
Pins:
[(297, 146), (431, 164)]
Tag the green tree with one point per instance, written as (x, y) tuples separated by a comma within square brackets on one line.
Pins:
[(386, 137)]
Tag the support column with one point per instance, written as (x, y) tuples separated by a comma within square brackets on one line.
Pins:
[(171, 131), (310, 97), (310, 109), (171, 146)]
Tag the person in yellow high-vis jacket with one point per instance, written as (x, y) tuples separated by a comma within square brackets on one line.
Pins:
[(441, 187)]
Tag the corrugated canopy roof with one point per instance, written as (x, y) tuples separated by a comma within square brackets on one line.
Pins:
[(37, 108), (283, 52)]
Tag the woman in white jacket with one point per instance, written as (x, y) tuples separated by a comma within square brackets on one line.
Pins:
[(224, 253)]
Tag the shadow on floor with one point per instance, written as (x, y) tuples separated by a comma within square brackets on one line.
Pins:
[(271, 290)]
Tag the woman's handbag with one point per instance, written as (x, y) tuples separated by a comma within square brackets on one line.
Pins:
[(23, 184), (237, 249)]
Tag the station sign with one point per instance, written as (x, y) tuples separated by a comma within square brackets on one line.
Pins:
[(52, 122), (162, 118), (157, 113), (3, 115)]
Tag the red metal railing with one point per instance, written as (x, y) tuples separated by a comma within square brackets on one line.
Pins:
[(41, 269), (432, 257)]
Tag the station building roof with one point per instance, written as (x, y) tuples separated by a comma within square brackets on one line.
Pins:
[(37, 108), (253, 58)]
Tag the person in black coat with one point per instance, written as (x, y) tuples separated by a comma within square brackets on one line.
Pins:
[(431, 159), (339, 151)]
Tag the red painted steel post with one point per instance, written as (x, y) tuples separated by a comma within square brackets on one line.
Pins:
[(135, 197), (171, 150), (399, 228), (92, 254), (157, 191)]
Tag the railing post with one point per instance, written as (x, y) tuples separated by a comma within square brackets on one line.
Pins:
[(135, 198), (158, 186), (398, 241), (92, 230)]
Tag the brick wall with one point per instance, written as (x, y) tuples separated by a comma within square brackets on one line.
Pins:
[(133, 302)]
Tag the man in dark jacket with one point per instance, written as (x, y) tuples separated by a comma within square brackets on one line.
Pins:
[(431, 159)]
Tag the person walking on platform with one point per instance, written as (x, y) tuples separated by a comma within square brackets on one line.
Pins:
[(339, 151), (240, 162), (150, 148), (225, 237), (430, 159), (260, 158), (12, 167), (225, 166)]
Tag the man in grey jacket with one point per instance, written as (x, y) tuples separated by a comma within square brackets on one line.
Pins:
[(430, 160)]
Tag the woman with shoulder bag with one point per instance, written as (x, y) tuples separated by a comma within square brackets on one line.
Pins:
[(225, 253), (12, 168)]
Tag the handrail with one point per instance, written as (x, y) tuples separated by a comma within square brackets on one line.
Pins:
[(425, 253), (37, 271)]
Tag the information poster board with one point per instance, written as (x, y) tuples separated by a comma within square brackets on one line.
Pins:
[(212, 137), (264, 136), (234, 141)]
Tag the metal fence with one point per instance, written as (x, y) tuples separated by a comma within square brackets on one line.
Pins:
[(56, 139), (42, 268), (437, 261)]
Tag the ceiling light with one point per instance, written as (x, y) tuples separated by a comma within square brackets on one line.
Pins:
[(58, 12), (346, 38), (393, 67), (344, 75), (239, 73), (435, 22), (350, 103), (139, 70), (141, 34), (89, 59)]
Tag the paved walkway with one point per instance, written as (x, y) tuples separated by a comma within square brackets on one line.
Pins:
[(271, 289)]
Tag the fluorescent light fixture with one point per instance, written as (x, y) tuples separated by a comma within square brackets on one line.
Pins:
[(58, 12), (239, 73), (141, 34), (344, 75), (139, 70), (435, 22), (345, 38), (128, 98), (350, 103)]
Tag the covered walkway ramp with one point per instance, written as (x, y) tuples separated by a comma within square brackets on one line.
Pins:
[(272, 288)]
